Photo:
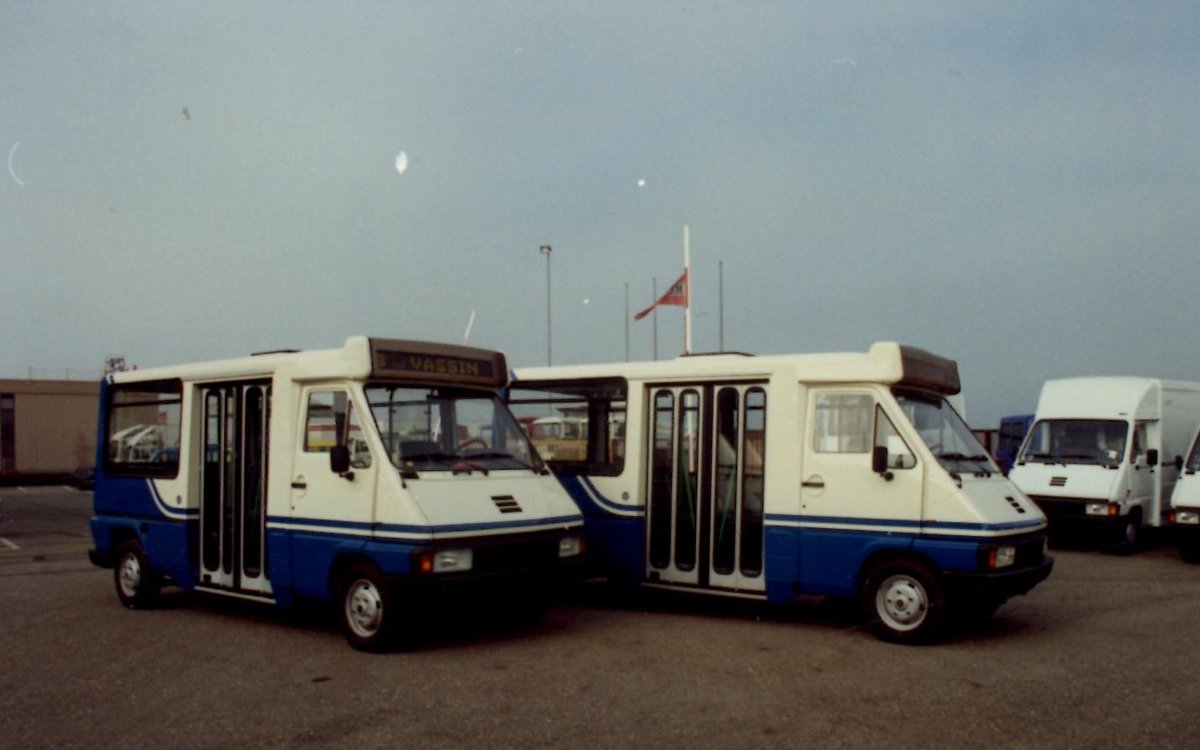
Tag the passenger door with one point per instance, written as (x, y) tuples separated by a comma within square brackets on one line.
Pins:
[(704, 521), (846, 507), (233, 486)]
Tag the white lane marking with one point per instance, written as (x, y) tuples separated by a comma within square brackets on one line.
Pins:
[(8, 544)]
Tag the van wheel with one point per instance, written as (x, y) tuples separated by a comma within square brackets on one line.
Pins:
[(366, 608), (904, 601), (137, 584), (1131, 535), (369, 615)]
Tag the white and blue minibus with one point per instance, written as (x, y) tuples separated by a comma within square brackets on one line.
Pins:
[(768, 477), (367, 476)]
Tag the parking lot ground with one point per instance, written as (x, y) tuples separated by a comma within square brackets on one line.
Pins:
[(1101, 654)]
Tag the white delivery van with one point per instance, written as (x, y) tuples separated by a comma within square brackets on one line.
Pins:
[(1185, 505), (361, 476), (846, 475), (1103, 453)]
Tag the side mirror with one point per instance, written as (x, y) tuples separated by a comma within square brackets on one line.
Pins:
[(339, 459), (879, 462), (1152, 457)]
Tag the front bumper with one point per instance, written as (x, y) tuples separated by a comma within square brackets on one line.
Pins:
[(998, 585)]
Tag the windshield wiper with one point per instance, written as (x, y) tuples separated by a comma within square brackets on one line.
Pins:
[(497, 455), (976, 459), (428, 457)]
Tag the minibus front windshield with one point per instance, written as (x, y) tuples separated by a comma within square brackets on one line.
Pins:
[(1076, 441), (448, 429), (946, 434)]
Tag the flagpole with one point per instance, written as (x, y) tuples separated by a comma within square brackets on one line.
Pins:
[(687, 295), (654, 296), (626, 321), (721, 303)]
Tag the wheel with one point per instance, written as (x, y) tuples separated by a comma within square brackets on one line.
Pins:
[(1189, 550), (367, 609), (137, 585), (1130, 536), (904, 601)]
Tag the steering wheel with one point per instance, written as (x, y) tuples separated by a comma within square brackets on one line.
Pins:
[(461, 447)]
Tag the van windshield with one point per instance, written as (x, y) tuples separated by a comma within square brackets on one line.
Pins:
[(1076, 441), (945, 433), (448, 429)]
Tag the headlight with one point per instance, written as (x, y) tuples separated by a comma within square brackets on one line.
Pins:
[(570, 546), (1103, 509), (1002, 557), (1187, 516), (446, 561)]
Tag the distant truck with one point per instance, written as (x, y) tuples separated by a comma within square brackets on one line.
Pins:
[(1104, 453), (1185, 505), (1008, 439)]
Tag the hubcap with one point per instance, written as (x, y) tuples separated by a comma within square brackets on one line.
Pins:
[(901, 602), (364, 608), (131, 575)]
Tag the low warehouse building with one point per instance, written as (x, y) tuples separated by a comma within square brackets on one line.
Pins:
[(47, 428)]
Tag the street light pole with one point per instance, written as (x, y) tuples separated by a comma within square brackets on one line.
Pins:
[(545, 250)]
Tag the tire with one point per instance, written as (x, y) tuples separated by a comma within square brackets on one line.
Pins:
[(1130, 537), (136, 582), (905, 602), (1189, 551), (367, 609)]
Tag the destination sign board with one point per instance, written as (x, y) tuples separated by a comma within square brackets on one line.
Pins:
[(425, 362), (925, 370)]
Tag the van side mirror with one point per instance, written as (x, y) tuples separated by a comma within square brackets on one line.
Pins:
[(879, 462), (1152, 457), (339, 460)]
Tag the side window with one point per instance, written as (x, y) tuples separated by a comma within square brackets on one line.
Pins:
[(576, 427), (900, 456), (331, 421), (842, 423), (142, 429), (1139, 441)]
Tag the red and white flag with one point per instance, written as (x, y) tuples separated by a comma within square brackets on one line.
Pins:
[(676, 294)]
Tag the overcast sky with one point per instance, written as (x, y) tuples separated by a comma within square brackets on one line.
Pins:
[(1014, 185)]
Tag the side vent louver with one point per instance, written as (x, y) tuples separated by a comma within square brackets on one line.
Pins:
[(1013, 502), (506, 503)]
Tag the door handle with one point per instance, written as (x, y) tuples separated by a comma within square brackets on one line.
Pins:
[(300, 483), (813, 484)]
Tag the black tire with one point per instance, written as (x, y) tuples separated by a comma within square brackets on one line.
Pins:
[(136, 582), (1129, 539), (905, 602), (1189, 551), (367, 610)]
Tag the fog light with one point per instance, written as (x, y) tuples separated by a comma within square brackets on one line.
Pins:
[(570, 546), (1187, 516), (1002, 557)]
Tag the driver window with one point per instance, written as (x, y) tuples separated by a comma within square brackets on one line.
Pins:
[(900, 456), (1139, 442), (330, 421)]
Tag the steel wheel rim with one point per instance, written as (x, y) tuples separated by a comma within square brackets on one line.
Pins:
[(901, 602), (130, 576), (364, 608)]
